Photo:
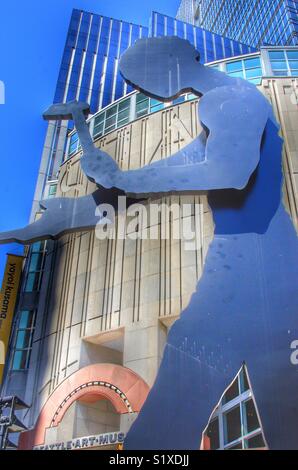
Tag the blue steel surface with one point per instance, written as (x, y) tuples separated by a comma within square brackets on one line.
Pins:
[(62, 215), (244, 310)]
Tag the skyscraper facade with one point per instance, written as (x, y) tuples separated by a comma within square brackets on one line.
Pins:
[(88, 72), (189, 11), (211, 46), (254, 22)]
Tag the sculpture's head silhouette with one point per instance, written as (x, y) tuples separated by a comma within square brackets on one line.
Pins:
[(162, 67), (165, 67)]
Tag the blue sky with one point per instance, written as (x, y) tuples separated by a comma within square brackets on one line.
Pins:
[(32, 37)]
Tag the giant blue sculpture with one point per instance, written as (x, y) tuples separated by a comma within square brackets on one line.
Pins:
[(246, 303)]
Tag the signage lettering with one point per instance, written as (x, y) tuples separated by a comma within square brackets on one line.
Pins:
[(86, 442)]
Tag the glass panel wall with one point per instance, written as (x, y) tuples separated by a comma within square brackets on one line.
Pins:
[(235, 423), (284, 63), (23, 340), (249, 69), (35, 269)]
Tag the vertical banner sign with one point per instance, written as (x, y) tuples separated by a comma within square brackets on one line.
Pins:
[(8, 298)]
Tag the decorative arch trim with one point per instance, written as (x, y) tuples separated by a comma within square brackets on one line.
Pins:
[(125, 389)]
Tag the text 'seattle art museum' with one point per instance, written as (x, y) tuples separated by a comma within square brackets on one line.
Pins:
[(156, 305)]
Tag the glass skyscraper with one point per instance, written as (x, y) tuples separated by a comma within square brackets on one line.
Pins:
[(254, 22), (189, 11), (210, 45), (88, 72)]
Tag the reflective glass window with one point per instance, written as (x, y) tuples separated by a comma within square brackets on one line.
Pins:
[(20, 360), (253, 73), (191, 96), (280, 73), (292, 55), (123, 113), (32, 282), (239, 74), (276, 55), (52, 190), (110, 123), (23, 341), (180, 99), (26, 319), (293, 64), (35, 262), (232, 392), (156, 105), (74, 143), (99, 125), (252, 421), (233, 425), (234, 66), (251, 63), (279, 65), (142, 107), (256, 442)]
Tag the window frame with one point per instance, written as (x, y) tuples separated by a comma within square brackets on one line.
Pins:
[(26, 350), (223, 408)]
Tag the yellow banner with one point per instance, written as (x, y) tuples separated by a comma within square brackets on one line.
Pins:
[(8, 299)]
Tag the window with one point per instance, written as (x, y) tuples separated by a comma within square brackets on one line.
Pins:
[(52, 190), (142, 108), (179, 100), (234, 66), (237, 74), (114, 117), (284, 63), (191, 96), (35, 269), (276, 55), (23, 342), (156, 105), (249, 69), (99, 125), (123, 113), (74, 144), (235, 423), (292, 57), (232, 425), (279, 65), (216, 67), (111, 119)]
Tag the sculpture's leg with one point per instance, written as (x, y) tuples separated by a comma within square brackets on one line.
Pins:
[(199, 363)]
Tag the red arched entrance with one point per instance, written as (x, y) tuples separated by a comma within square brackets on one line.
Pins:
[(123, 387)]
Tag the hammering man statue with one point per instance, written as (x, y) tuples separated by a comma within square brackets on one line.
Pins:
[(245, 307)]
